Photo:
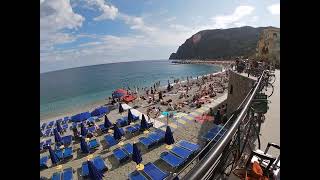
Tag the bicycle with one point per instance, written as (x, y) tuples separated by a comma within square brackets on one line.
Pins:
[(271, 77), (266, 87)]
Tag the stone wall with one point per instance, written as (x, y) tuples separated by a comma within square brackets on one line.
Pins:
[(240, 87)]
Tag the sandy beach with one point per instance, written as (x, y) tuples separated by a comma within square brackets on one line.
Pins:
[(183, 128)]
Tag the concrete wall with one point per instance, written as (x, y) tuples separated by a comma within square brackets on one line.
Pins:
[(241, 86)]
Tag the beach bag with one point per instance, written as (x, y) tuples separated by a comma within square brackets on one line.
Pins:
[(256, 173)]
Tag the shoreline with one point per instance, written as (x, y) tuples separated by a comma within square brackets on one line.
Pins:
[(96, 104)]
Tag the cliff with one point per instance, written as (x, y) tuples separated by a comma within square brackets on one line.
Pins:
[(220, 43)]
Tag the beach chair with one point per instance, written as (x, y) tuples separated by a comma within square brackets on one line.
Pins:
[(147, 142), (67, 174), (97, 162), (93, 143), (56, 176), (171, 159), (65, 127), (110, 141), (51, 123), (154, 172), (47, 133), (66, 140), (133, 129), (157, 137), (92, 129), (181, 152), (43, 162), (188, 145), (128, 148), (67, 153), (120, 155), (102, 128), (59, 153), (121, 122), (136, 175)]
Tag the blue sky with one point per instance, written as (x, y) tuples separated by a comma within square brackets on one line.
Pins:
[(76, 33)]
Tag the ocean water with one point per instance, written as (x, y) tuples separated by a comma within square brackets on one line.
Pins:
[(66, 90)]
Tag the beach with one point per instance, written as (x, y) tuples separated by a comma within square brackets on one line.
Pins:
[(183, 124)]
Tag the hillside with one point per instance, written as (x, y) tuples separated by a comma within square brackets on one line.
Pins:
[(219, 43)]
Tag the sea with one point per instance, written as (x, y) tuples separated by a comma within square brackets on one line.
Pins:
[(67, 90)]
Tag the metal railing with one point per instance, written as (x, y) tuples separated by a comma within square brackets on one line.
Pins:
[(206, 166)]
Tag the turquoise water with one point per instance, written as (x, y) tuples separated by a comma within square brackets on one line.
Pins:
[(66, 90)]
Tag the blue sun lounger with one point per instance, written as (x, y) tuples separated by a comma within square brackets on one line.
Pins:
[(102, 128), (67, 174), (59, 153), (147, 142), (171, 159), (156, 136), (67, 153), (97, 162), (136, 175), (110, 141), (154, 172), (133, 129), (93, 144), (43, 162), (128, 148), (181, 152), (67, 140), (51, 123), (120, 155), (92, 129), (56, 176), (188, 145), (121, 122), (65, 126)]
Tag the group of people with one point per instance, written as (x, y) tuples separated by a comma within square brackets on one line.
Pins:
[(220, 116)]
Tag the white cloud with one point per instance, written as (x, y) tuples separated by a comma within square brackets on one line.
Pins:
[(56, 15), (274, 9), (225, 21), (108, 11), (170, 19)]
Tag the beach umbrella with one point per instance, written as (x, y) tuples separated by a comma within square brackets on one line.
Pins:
[(84, 146), (119, 93), (130, 116), (83, 130), (120, 108), (57, 137), (54, 158), (168, 136), (59, 128), (116, 132), (94, 173), (107, 123), (143, 123), (136, 155)]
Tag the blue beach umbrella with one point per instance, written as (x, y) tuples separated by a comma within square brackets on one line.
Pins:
[(84, 146), (54, 158), (59, 128), (57, 137), (116, 132), (107, 123), (130, 116), (168, 136), (136, 155), (94, 173), (120, 108), (83, 130), (143, 123)]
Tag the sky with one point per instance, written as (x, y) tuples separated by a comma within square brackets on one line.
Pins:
[(75, 33)]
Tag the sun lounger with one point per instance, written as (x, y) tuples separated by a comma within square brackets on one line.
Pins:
[(110, 140), (133, 129), (97, 162), (181, 152), (65, 126), (121, 122), (59, 153), (93, 144), (67, 140), (56, 176), (67, 174), (92, 129), (188, 145), (154, 172), (136, 175), (51, 123), (128, 148), (171, 159), (156, 136), (102, 128), (67, 153), (43, 162), (122, 131), (120, 155), (147, 142), (41, 145)]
